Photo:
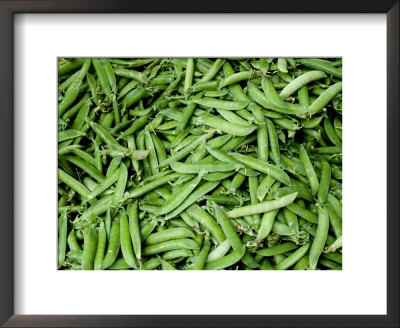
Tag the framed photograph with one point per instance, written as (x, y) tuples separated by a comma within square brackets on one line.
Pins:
[(175, 164)]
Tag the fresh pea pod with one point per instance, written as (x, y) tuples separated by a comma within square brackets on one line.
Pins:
[(320, 237), (62, 237), (113, 245), (227, 260), (101, 246), (126, 243), (89, 249)]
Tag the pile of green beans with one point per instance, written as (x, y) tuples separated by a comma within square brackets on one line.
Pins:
[(199, 164)]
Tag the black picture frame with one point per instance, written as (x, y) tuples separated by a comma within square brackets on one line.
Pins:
[(7, 11)]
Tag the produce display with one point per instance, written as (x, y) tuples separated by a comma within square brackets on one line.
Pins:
[(199, 164)]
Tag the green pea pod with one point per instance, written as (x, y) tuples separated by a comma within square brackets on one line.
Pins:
[(267, 222), (221, 250), (144, 189), (62, 237), (226, 261), (188, 112), (169, 234), (119, 264), (201, 216), (72, 242), (183, 243), (232, 236), (262, 207), (309, 169), (263, 167), (303, 213), (104, 185), (274, 98), (282, 65), (179, 196), (193, 197), (134, 229), (201, 258), (187, 150), (322, 100), (273, 141), (331, 132), (302, 264), (320, 237), (126, 243), (292, 258), (165, 265), (277, 249), (120, 186), (266, 265), (235, 78), (334, 221), (75, 256), (70, 66), (73, 184), (89, 248), (107, 137), (261, 99), (324, 183), (102, 76), (225, 126), (221, 104), (131, 74), (213, 70), (110, 74), (321, 65), (73, 90), (113, 245), (101, 246), (188, 75), (300, 82)]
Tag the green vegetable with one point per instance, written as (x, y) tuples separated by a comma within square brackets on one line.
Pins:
[(200, 164)]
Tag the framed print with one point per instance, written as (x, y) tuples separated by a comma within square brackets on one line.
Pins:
[(190, 165)]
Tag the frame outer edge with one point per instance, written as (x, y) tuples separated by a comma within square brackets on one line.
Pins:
[(6, 179), (6, 165), (393, 167), (205, 6)]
